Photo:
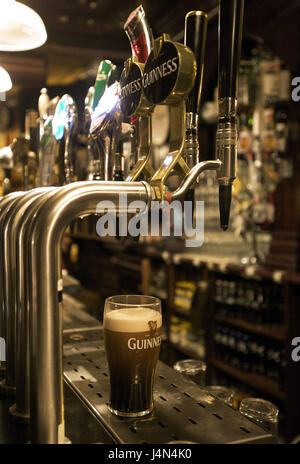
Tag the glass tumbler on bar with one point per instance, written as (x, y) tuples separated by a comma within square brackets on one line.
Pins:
[(132, 335), (222, 393), (262, 412), (194, 369)]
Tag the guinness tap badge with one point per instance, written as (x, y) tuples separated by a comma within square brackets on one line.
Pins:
[(132, 100), (169, 72)]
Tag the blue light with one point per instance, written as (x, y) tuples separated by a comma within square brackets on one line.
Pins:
[(60, 118)]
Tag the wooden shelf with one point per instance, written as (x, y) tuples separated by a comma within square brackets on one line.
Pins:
[(256, 381), (274, 331)]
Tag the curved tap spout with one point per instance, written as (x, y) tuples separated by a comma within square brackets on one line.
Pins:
[(8, 235), (20, 411), (5, 212), (5, 205), (79, 198), (191, 178)]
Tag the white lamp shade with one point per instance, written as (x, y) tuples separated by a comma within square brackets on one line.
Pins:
[(21, 28), (5, 80)]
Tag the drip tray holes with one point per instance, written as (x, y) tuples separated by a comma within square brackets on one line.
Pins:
[(162, 377), (69, 362), (75, 369), (83, 354), (217, 416), (192, 421), (91, 385), (161, 425), (244, 430), (99, 394), (187, 394), (173, 385), (176, 409), (163, 398), (202, 405), (105, 374), (82, 377)]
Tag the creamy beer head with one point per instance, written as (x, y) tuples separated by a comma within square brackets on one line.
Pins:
[(139, 319)]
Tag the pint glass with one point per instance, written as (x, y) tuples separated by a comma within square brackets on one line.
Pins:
[(132, 335)]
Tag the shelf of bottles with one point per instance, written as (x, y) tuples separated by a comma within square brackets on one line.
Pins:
[(249, 333), (264, 95)]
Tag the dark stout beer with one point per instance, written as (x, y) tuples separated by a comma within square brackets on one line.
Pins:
[(132, 340)]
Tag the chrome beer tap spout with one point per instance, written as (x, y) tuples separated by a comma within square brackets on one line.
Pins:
[(229, 46), (79, 198)]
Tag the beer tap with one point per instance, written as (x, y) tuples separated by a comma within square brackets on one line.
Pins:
[(140, 37), (105, 125), (64, 125), (48, 150), (6, 162), (194, 38), (92, 99), (30, 169), (230, 34), (165, 91)]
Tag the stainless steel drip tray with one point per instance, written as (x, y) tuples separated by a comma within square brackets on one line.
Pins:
[(182, 410)]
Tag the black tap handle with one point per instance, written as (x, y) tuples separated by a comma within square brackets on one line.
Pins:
[(230, 35), (195, 38)]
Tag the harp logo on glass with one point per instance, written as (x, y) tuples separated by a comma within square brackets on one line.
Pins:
[(2, 349), (162, 219)]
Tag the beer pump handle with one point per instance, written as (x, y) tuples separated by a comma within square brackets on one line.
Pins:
[(43, 103), (195, 38), (229, 46), (230, 37), (139, 34)]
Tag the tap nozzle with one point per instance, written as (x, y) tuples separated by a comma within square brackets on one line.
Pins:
[(226, 152), (229, 48)]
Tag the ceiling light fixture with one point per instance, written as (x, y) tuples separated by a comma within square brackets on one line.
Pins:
[(21, 28), (5, 80)]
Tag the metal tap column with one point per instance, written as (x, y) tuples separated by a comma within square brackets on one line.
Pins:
[(46, 402), (8, 235), (5, 205), (20, 411)]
